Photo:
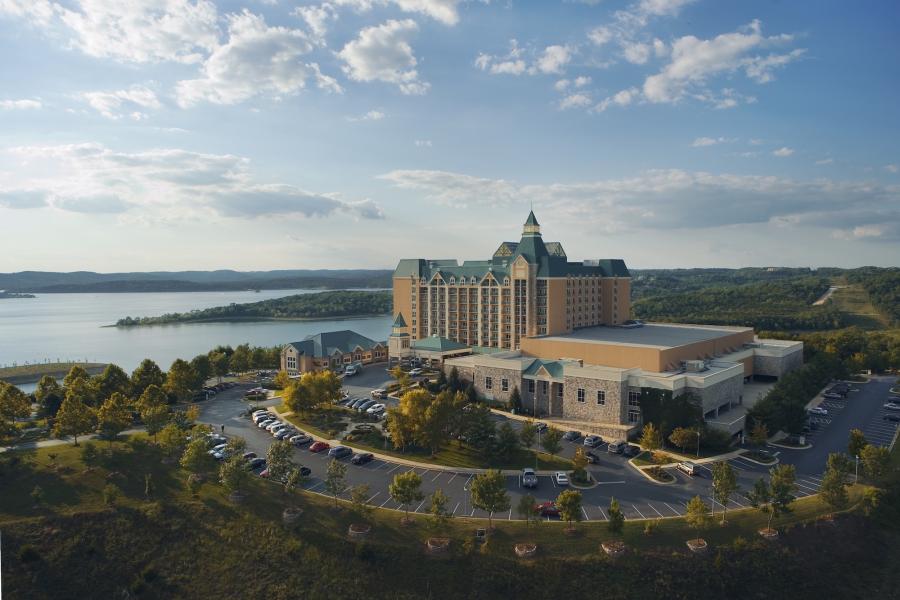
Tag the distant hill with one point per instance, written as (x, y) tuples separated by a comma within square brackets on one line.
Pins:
[(192, 281)]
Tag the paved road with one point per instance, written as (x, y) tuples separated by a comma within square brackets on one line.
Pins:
[(639, 497)]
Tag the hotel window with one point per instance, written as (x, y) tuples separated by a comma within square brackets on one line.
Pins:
[(559, 391), (504, 385), (488, 384), (634, 398), (531, 386), (634, 416), (581, 395), (601, 397), (544, 388)]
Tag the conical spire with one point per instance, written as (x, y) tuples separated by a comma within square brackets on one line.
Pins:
[(532, 227)]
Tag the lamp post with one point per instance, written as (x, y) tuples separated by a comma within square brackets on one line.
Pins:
[(856, 474), (698, 443)]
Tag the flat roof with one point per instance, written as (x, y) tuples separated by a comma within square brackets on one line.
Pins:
[(654, 335)]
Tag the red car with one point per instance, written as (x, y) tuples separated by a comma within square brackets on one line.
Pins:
[(319, 447), (547, 509)]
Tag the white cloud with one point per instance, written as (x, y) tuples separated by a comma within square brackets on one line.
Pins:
[(440, 10), (708, 141), (825, 161), (160, 184), (582, 81), (372, 115), (600, 36), (783, 152), (257, 59), (578, 100), (637, 53), (23, 104), (621, 98), (553, 59), (673, 198), (317, 18), (695, 61), (510, 64), (111, 104), (423, 143), (383, 53), (892, 168)]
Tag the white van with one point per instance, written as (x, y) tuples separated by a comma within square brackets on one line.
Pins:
[(687, 468), (616, 447)]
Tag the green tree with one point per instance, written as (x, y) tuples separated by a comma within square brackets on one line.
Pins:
[(89, 455), (49, 395), (233, 474), (759, 435), (84, 389), (152, 396), (833, 491), (651, 438), (111, 494), (569, 504), (195, 458), (14, 405), (240, 359), (480, 430), (682, 436), (359, 495), (724, 484), (219, 363), (857, 442), (489, 493), (515, 400), (507, 443), (155, 418), (438, 508), (875, 460), (434, 427), (181, 380), (580, 463), (148, 373), (406, 488), (840, 462), (453, 381), (112, 380), (74, 418), (528, 433), (616, 517), (171, 440), (203, 367), (75, 373), (279, 460), (697, 514), (336, 479), (775, 497), (526, 509), (550, 441), (148, 486), (114, 416), (282, 379), (293, 480)]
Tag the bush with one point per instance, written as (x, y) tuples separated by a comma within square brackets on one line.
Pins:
[(111, 494), (28, 553)]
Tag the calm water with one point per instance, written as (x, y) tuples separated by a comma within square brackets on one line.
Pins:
[(70, 326)]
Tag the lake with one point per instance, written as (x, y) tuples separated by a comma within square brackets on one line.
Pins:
[(71, 327)]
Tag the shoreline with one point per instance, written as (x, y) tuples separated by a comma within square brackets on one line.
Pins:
[(57, 370), (250, 320)]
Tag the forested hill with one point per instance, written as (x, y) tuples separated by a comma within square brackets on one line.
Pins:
[(323, 305), (193, 281)]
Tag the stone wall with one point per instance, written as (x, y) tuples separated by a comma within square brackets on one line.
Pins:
[(612, 411), (718, 394), (496, 393), (775, 366)]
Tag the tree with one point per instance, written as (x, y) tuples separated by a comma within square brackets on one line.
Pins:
[(840, 462), (14, 405), (480, 429), (681, 437), (219, 362), (526, 509), (148, 486), (401, 428), (181, 380), (401, 376), (89, 455), (171, 441), (148, 373), (515, 400), (453, 381), (856, 443), (75, 373), (293, 480), (155, 418), (281, 379), (335, 479), (616, 517), (759, 435), (774, 498), (875, 461), (359, 494), (240, 359), (528, 433), (724, 484), (113, 416), (152, 396), (507, 441), (651, 439), (434, 427), (569, 504), (580, 463), (195, 458), (832, 489), (489, 493), (697, 514), (49, 395), (112, 380), (203, 367), (438, 508), (314, 389), (406, 488), (233, 474), (278, 460), (550, 441), (74, 418)]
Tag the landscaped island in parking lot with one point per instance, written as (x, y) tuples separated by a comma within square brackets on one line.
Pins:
[(323, 305)]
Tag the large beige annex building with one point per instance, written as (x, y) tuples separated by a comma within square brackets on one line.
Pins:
[(561, 333)]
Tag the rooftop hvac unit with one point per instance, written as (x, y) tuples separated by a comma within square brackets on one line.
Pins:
[(695, 366)]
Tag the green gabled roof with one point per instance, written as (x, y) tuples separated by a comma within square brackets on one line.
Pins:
[(554, 367), (410, 267), (436, 343), (531, 220), (555, 249), (399, 321), (322, 345)]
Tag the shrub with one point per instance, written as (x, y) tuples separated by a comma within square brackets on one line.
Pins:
[(27, 553), (111, 494)]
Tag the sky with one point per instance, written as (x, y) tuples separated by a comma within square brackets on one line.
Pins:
[(278, 134)]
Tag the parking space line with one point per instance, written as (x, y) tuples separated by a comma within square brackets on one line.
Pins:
[(438, 475), (813, 477), (395, 468), (419, 506), (385, 502), (714, 502), (369, 501), (798, 484), (654, 509), (313, 488), (586, 517), (472, 514), (672, 509), (452, 478), (509, 517), (455, 508), (738, 503), (638, 511), (815, 485)]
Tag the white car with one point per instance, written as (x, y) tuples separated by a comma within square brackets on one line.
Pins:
[(263, 423), (892, 406), (271, 426), (561, 478), (818, 410), (375, 408), (415, 372)]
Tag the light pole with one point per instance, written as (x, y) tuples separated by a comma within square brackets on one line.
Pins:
[(536, 454), (698, 443), (466, 500), (856, 474)]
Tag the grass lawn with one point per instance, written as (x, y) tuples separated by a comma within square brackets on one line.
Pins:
[(854, 302), (28, 373), (647, 458)]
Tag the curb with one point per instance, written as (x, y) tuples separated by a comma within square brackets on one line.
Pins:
[(650, 479), (762, 464), (806, 447)]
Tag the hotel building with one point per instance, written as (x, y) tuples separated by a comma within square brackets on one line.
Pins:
[(561, 332)]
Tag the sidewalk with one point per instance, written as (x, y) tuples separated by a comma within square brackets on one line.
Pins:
[(61, 441)]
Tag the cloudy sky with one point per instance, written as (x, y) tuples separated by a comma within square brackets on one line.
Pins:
[(264, 134)]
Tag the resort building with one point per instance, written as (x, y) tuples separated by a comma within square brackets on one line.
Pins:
[(561, 333), (331, 350)]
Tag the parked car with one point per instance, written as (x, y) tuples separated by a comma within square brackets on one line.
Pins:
[(687, 467), (592, 441), (361, 458), (285, 433), (319, 446), (547, 509), (540, 427), (817, 410), (561, 477), (365, 405), (529, 479), (833, 396), (249, 455), (415, 372), (571, 436), (217, 448), (630, 450), (616, 447), (256, 463), (357, 403), (340, 452), (380, 394), (300, 439), (350, 371), (375, 408), (592, 457), (262, 424), (892, 417)]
